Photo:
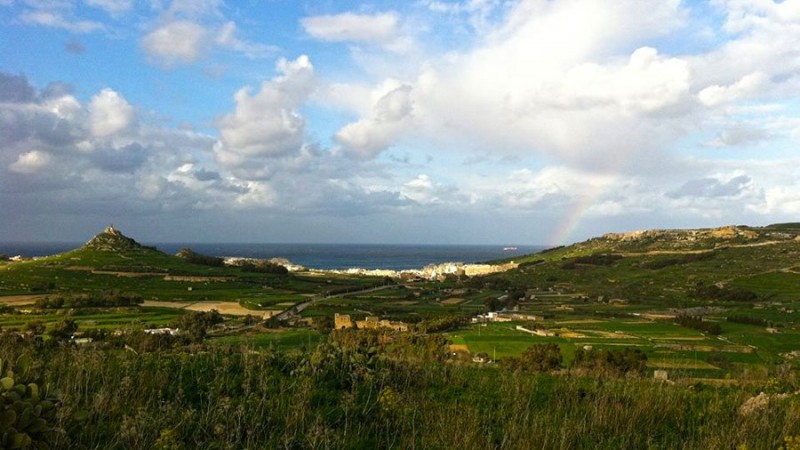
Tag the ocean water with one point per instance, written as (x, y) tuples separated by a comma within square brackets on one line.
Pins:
[(318, 256)]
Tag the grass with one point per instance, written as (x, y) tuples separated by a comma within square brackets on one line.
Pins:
[(334, 397), (279, 339), (134, 318)]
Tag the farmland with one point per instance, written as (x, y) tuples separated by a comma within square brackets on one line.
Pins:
[(605, 293), (718, 317)]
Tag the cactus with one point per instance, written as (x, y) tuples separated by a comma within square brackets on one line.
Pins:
[(27, 413)]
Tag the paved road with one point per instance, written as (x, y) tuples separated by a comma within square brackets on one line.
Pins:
[(296, 309)]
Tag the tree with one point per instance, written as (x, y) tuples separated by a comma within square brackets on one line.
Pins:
[(195, 325), (541, 358), (64, 330), (611, 362), (35, 327)]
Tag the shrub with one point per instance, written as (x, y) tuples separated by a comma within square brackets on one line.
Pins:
[(697, 323), (197, 258), (724, 293), (541, 358), (600, 259), (611, 362)]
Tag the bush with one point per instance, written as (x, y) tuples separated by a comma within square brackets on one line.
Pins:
[(724, 293), (195, 325), (262, 266), (611, 362), (697, 323), (197, 258), (63, 330), (748, 320), (601, 259), (95, 300), (541, 358)]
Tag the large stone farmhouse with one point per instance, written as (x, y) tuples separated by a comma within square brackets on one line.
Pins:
[(343, 322)]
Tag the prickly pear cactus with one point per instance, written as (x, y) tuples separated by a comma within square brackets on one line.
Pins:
[(27, 413)]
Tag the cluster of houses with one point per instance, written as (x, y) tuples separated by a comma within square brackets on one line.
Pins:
[(429, 272), (503, 316), (343, 322)]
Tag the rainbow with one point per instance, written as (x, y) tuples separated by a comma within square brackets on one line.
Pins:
[(575, 216)]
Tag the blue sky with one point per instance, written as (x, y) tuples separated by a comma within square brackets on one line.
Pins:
[(429, 121)]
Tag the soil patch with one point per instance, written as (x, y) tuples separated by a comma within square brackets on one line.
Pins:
[(231, 308), (680, 365), (452, 301), (19, 300)]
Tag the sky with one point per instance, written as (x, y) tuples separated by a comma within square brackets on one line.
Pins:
[(538, 122)]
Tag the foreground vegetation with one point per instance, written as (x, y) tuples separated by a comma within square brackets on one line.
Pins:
[(116, 345), (396, 396)]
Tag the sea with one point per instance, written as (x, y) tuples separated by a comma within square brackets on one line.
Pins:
[(320, 256)]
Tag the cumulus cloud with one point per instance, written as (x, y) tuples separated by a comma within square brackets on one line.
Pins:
[(267, 123), (91, 153), (715, 95), (15, 88), (390, 116), (423, 190), (549, 79), (178, 42), (187, 31), (31, 162), (552, 187), (109, 113)]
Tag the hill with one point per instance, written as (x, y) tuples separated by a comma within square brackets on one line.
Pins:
[(669, 268), (112, 240), (111, 261)]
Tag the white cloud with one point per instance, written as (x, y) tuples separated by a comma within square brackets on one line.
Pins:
[(390, 116), (54, 19), (423, 190), (376, 29), (267, 123), (258, 195), (547, 80), (555, 186), (227, 37), (109, 113), (178, 42), (715, 95), (31, 162), (780, 200), (113, 7), (349, 27)]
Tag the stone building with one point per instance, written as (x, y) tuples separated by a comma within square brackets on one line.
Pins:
[(342, 321)]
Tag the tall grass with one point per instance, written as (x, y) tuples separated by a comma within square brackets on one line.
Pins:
[(335, 397)]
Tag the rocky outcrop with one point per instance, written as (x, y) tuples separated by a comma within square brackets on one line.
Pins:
[(728, 232), (112, 240)]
